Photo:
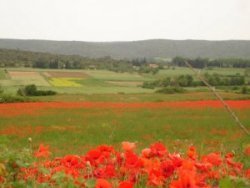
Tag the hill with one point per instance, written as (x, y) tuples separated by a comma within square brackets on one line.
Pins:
[(136, 49)]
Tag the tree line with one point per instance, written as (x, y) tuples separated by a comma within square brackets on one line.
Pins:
[(17, 58), (188, 81), (205, 62)]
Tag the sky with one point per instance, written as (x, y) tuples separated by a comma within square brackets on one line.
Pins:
[(125, 20)]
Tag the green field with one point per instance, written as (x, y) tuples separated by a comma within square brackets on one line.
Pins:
[(71, 130), (2, 74), (93, 81), (99, 81)]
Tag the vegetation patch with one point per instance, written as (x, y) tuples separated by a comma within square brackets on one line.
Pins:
[(65, 82), (2, 74), (69, 74), (31, 90), (7, 98), (170, 90), (125, 83)]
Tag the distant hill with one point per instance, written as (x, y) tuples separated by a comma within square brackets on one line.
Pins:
[(136, 49)]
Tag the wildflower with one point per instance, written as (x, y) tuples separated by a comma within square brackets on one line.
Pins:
[(191, 153), (155, 178), (128, 146), (43, 151), (213, 158), (247, 151), (186, 179), (126, 184), (146, 152), (158, 149), (102, 183), (167, 168), (247, 173)]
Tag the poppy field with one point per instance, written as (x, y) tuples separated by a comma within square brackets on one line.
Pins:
[(165, 144), (155, 166)]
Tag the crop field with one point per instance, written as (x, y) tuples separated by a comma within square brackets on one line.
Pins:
[(74, 81), (92, 81), (64, 82)]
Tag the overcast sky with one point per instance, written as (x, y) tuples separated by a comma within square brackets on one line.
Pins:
[(125, 20)]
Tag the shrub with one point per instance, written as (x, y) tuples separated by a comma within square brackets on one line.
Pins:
[(170, 90), (12, 99), (244, 90), (185, 80), (149, 85), (31, 90)]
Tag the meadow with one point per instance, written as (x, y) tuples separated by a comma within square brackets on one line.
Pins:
[(96, 107), (73, 127)]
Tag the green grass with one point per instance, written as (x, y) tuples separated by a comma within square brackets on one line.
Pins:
[(2, 74), (183, 70), (141, 97), (114, 76), (75, 130), (226, 71), (174, 72)]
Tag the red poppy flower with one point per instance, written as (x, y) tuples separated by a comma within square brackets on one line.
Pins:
[(213, 158), (146, 152), (247, 151), (126, 184), (158, 149), (128, 146), (191, 153), (247, 173), (43, 151), (102, 183)]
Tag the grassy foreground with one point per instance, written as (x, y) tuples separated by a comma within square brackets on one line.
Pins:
[(73, 130)]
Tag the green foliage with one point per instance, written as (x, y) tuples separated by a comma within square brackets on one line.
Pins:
[(150, 85), (31, 90), (181, 80), (204, 62), (1, 90), (11, 162), (227, 182), (171, 90), (218, 80), (7, 98), (148, 70), (185, 80), (244, 90)]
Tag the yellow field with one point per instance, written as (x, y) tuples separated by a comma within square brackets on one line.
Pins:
[(64, 82)]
